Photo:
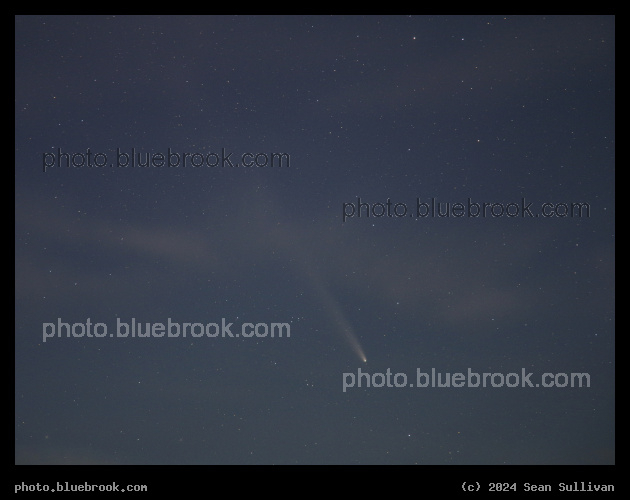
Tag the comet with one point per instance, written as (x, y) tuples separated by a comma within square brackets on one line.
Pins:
[(341, 322), (331, 306)]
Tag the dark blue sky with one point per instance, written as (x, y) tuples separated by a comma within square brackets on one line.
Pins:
[(488, 108)]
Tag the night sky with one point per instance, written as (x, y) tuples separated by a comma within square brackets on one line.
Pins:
[(451, 111)]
